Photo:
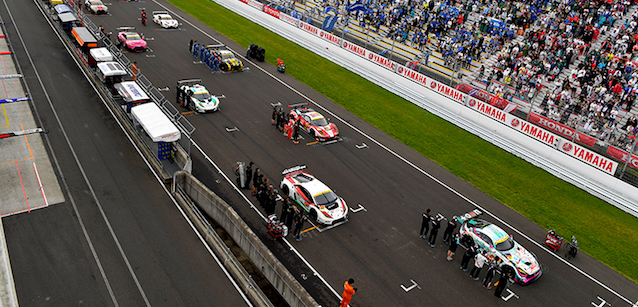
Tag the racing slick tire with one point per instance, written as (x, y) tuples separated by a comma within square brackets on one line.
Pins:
[(286, 190), (313, 215), (223, 67)]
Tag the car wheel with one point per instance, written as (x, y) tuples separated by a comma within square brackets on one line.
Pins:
[(285, 190), (224, 67), (313, 135), (313, 215)]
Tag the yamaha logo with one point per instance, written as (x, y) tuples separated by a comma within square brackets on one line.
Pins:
[(433, 84), (400, 69), (515, 122), (472, 103), (567, 147)]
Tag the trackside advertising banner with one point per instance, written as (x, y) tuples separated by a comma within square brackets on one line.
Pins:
[(538, 127), (583, 154), (622, 156), (561, 129), (254, 4), (432, 84), (321, 33), (514, 122)]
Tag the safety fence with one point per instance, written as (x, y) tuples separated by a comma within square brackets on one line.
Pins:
[(575, 173), (193, 196)]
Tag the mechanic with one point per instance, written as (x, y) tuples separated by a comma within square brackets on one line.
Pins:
[(215, 64), (262, 192), (206, 55), (190, 46), (295, 134), (469, 254), (425, 224), (285, 208), (436, 224), (256, 180), (201, 52), (454, 243), (501, 283), (479, 262), (249, 174), (300, 218), (271, 200), (290, 216), (288, 126), (273, 120), (144, 17), (491, 272), (282, 120), (348, 291), (451, 226), (195, 48)]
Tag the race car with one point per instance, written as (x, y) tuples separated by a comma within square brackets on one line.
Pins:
[(165, 20), (313, 123), (191, 94), (227, 60), (313, 196), (131, 40), (96, 6), (497, 242)]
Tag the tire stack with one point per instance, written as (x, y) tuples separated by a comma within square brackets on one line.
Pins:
[(256, 53)]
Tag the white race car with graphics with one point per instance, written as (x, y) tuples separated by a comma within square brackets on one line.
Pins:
[(497, 242), (191, 94), (313, 122), (313, 196), (165, 20)]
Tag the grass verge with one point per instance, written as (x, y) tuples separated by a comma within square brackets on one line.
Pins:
[(604, 232)]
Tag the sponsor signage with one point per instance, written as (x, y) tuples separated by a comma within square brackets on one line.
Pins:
[(490, 111), (321, 33), (622, 156), (583, 154), (432, 84), (309, 28), (561, 129), (254, 4), (382, 61), (354, 48), (288, 19), (272, 12)]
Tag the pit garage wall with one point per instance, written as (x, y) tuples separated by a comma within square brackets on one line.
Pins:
[(562, 158)]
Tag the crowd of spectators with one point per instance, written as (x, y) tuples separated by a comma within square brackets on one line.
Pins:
[(555, 34)]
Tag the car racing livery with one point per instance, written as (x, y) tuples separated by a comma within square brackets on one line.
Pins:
[(165, 20), (131, 40), (497, 242), (193, 95), (313, 123), (227, 60), (321, 203), (96, 6)]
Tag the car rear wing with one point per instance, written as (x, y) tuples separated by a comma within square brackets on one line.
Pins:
[(160, 13), (296, 105), (293, 169), (468, 216), (188, 82), (215, 46), (125, 29)]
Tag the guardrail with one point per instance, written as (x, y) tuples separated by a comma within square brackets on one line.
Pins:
[(194, 195)]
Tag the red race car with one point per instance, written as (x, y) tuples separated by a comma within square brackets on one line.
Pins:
[(313, 123)]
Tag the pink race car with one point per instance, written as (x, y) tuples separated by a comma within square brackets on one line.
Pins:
[(130, 40)]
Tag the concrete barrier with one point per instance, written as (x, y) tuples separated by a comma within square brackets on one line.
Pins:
[(224, 215)]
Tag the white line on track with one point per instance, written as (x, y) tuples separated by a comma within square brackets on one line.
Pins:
[(392, 153), (75, 209)]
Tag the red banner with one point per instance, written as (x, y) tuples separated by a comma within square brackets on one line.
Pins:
[(270, 11), (484, 96), (622, 156), (561, 129)]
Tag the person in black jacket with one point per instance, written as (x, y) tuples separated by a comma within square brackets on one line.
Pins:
[(300, 218), (469, 254), (436, 224), (447, 234), (501, 284), (425, 224), (256, 180), (249, 175)]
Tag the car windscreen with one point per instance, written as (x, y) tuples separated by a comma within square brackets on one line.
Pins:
[(227, 56), (201, 96), (327, 199), (133, 37), (319, 122), (505, 245)]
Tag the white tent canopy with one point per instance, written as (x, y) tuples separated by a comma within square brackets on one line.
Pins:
[(155, 123)]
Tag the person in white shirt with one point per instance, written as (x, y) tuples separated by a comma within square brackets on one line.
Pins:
[(479, 262)]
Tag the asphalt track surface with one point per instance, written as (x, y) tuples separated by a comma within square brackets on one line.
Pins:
[(380, 247), (148, 254)]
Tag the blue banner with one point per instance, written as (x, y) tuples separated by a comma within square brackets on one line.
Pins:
[(329, 23)]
